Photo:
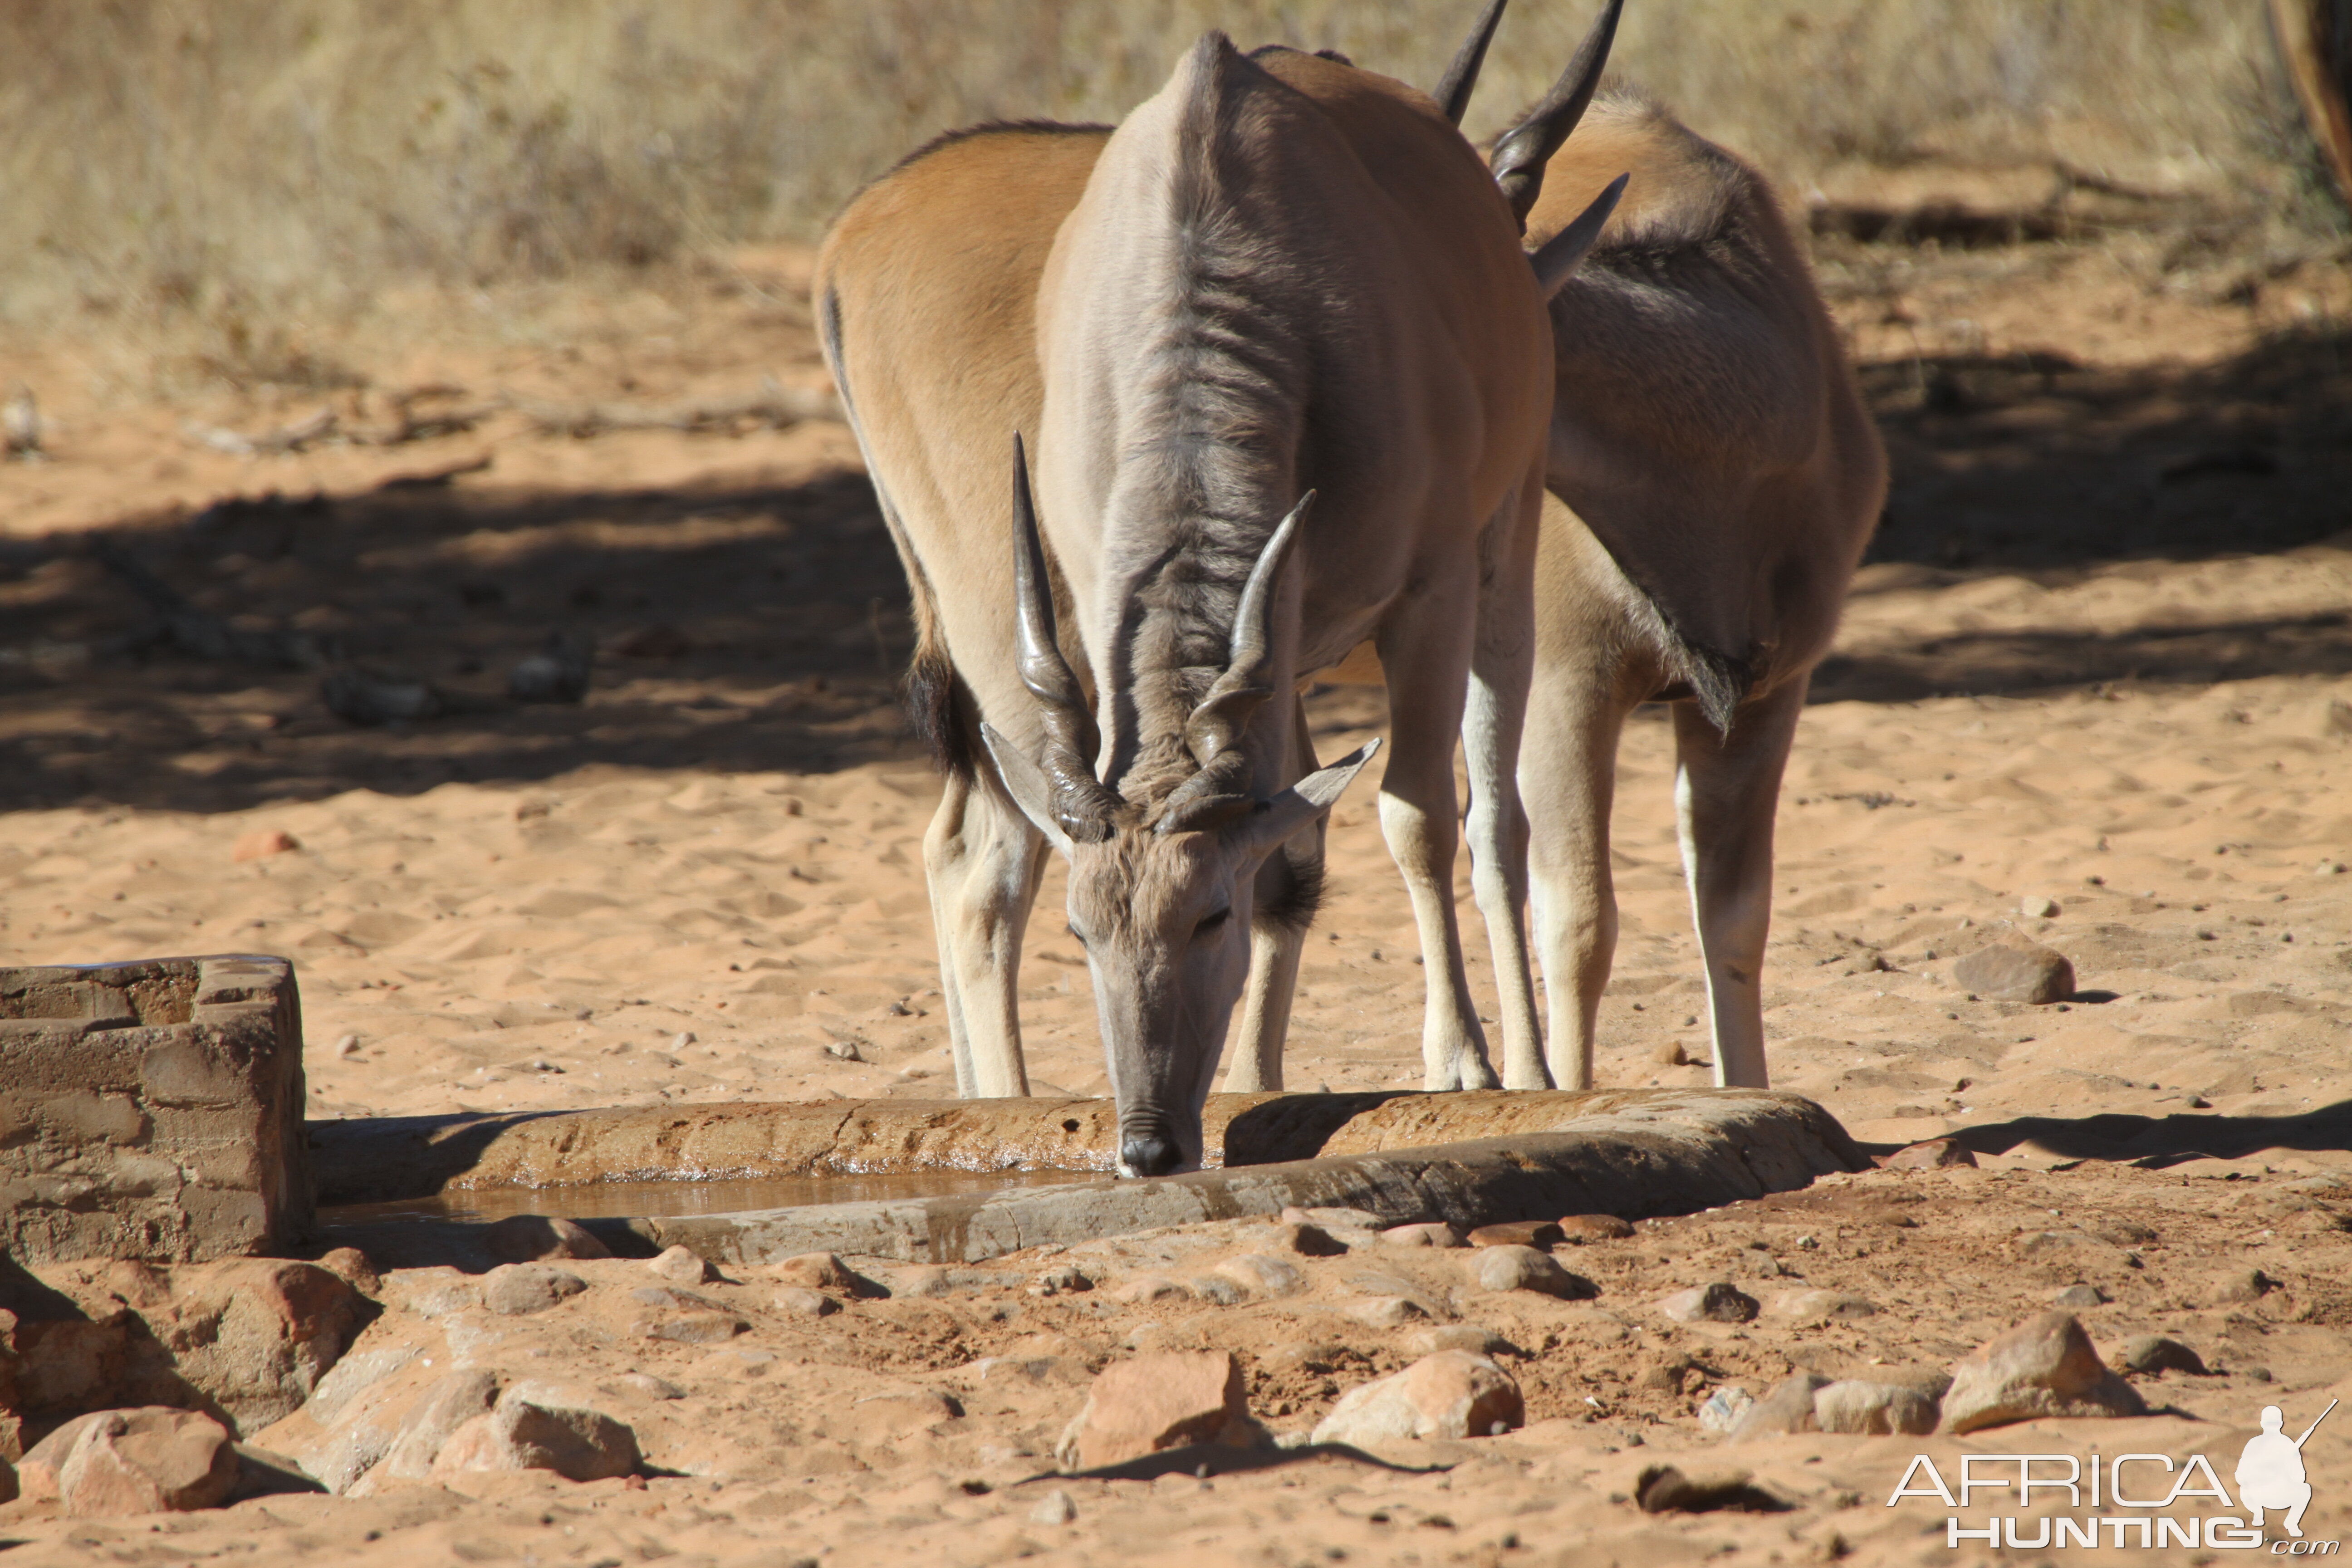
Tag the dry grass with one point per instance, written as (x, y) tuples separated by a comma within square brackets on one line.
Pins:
[(250, 165)]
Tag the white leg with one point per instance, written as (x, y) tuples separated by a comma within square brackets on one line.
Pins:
[(1425, 657), (1567, 776), (1727, 793), (1502, 666), (982, 859)]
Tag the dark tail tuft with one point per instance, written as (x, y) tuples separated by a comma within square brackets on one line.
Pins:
[(930, 693), (1301, 896)]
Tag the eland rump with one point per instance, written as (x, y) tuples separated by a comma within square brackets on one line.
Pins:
[(1288, 374)]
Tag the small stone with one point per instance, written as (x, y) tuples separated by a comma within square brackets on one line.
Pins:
[(691, 1328), (1146, 1288), (347, 1045), (817, 1271), (2154, 1352), (1719, 1302), (1217, 1290), (1581, 1228), (518, 1290), (1541, 1233), (652, 1387), (1453, 1393), (262, 843), (354, 1267), (1151, 1403), (1467, 1337), (1066, 1280), (1824, 1307), (540, 1427), (1331, 1218), (2245, 1285), (1510, 1268), (804, 1304), (2075, 1298), (682, 1266), (2034, 907), (1670, 1053), (2044, 1366), (1387, 1311), (1933, 1154), (1874, 1409), (452, 1402), (1308, 1241), (905, 1411), (1664, 1488), (1724, 1407), (1788, 1409), (146, 1460), (2026, 973), (528, 1237), (1422, 1234), (1262, 1274), (1054, 1508)]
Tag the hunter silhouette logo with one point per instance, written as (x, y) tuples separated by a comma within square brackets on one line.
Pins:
[(2269, 1472)]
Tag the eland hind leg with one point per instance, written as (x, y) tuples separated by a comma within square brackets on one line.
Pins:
[(1424, 656), (1726, 795), (1502, 666), (1568, 778), (982, 860)]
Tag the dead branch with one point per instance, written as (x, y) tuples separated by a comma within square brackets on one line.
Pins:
[(200, 634), (774, 408)]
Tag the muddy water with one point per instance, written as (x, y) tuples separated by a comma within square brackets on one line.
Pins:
[(667, 1199)]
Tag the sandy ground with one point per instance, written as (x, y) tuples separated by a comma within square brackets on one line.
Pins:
[(2101, 656)]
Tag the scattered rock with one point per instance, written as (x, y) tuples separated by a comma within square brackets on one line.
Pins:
[(1668, 1375), (1067, 1280), (36, 1471), (1467, 1337), (804, 1304), (1541, 1233), (528, 1238), (148, 1460), (1874, 1409), (1662, 1489), (1788, 1409), (1146, 1288), (905, 1410), (1217, 1290), (1308, 1241), (1510, 1268), (1451, 1393), (2025, 973), (347, 1044), (1823, 1306), (682, 1266), (817, 1271), (1387, 1311), (2075, 1298), (1054, 1508), (2155, 1353), (2044, 1366), (262, 843), (1933, 1154), (1154, 1402), (1719, 1302), (694, 1328), (2034, 907), (1262, 1274), (1724, 1407), (518, 1290), (1422, 1234), (354, 1267), (1331, 1218), (2245, 1285), (1580, 1228), (540, 1426), (449, 1403), (1671, 1055), (652, 1387)]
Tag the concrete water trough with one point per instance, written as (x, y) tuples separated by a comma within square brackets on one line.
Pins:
[(962, 1181)]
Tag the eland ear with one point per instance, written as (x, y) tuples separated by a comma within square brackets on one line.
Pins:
[(1557, 260), (1299, 806), (1026, 783)]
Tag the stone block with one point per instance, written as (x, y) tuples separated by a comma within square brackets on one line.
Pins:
[(151, 1110)]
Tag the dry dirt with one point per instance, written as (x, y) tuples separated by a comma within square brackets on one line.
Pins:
[(2101, 656)]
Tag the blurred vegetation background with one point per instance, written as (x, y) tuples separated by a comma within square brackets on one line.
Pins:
[(228, 166)]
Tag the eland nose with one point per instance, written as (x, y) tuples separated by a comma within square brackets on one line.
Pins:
[(1149, 1155)]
